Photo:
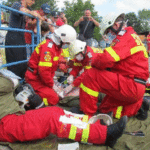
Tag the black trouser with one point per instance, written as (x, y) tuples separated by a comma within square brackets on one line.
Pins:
[(16, 54)]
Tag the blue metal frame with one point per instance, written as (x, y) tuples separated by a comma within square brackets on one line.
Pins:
[(20, 30)]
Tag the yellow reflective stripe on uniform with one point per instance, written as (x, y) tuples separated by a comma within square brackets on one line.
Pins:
[(87, 67), (113, 53), (45, 64), (56, 58), (77, 64), (118, 112), (85, 132), (138, 49), (37, 48), (73, 131), (97, 50), (45, 101), (89, 91)]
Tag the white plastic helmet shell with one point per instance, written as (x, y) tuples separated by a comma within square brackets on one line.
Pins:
[(66, 33), (106, 23), (76, 47), (23, 96)]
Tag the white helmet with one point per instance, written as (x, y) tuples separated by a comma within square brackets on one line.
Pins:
[(76, 47), (27, 98), (106, 23), (66, 33)]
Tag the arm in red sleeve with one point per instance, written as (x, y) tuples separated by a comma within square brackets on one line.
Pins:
[(78, 80), (102, 61), (113, 54), (77, 67), (63, 64)]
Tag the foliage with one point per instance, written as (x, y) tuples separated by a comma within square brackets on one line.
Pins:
[(137, 23), (37, 4), (144, 14), (51, 3), (134, 21), (74, 10)]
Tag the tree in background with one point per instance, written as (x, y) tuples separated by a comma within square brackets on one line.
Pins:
[(144, 15), (37, 4), (74, 10), (134, 21), (51, 3), (141, 22)]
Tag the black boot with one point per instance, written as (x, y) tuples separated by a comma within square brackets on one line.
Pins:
[(143, 111), (115, 131)]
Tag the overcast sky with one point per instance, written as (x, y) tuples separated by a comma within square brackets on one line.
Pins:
[(115, 7)]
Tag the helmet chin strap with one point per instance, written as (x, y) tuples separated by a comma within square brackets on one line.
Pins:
[(61, 44), (85, 51), (117, 31)]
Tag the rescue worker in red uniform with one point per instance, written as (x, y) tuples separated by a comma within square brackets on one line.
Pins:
[(83, 55), (19, 125), (44, 62), (148, 42), (120, 72)]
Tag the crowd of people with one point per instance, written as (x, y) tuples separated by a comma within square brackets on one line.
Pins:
[(120, 71), (20, 38)]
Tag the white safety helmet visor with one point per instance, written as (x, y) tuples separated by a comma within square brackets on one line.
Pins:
[(66, 33), (22, 97), (76, 47), (106, 23)]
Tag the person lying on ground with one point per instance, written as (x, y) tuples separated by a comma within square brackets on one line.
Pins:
[(16, 124)]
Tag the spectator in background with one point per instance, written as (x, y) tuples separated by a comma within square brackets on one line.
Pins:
[(53, 19), (31, 22), (3, 21), (148, 43), (17, 38), (44, 30), (2, 17), (86, 26), (61, 19)]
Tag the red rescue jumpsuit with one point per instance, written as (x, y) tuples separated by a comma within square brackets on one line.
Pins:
[(148, 43), (40, 123), (84, 64), (127, 59), (41, 69)]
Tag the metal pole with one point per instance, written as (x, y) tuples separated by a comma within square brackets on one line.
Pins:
[(38, 31), (17, 11), (0, 15), (32, 41)]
